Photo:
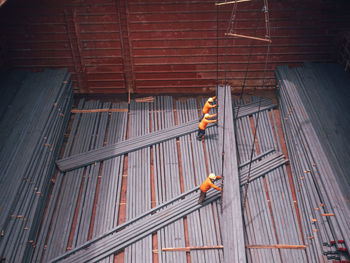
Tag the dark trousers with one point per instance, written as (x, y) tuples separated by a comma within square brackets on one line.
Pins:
[(200, 133), (202, 196), (201, 118)]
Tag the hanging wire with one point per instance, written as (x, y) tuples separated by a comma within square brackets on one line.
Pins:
[(246, 70), (258, 115), (232, 19)]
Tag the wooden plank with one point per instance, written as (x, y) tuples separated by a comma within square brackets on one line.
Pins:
[(329, 214), (277, 246), (232, 2), (250, 37)]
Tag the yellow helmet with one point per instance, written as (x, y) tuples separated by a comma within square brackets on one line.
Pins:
[(212, 176), (210, 100), (206, 115)]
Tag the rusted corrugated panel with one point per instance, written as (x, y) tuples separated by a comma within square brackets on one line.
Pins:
[(83, 36), (175, 43), (113, 46)]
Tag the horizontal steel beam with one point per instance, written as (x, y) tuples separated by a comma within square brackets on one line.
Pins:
[(130, 145)]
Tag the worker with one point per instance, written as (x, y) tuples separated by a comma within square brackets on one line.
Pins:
[(203, 124), (208, 183), (207, 106)]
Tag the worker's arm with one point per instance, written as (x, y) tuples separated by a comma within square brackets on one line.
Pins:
[(212, 106), (211, 116), (218, 177), (210, 121), (214, 97), (214, 186)]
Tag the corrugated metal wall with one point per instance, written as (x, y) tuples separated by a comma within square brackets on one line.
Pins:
[(113, 46)]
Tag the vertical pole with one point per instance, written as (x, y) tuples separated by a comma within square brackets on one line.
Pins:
[(82, 70), (125, 46), (72, 49), (267, 21)]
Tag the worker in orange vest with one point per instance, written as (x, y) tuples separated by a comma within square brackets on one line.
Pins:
[(203, 124), (208, 105), (208, 183)]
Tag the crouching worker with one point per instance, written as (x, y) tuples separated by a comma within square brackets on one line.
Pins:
[(203, 124), (208, 183), (207, 106)]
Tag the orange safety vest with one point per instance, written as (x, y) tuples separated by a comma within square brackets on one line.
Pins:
[(208, 106), (208, 183), (204, 122)]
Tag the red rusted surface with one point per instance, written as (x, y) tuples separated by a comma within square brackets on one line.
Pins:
[(166, 46)]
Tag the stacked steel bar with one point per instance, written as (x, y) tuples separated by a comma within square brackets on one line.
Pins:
[(89, 184), (85, 158), (138, 199), (67, 202), (203, 226), (269, 213), (46, 220), (257, 169), (109, 192), (32, 132), (10, 84), (254, 107), (68, 218), (279, 191), (314, 106), (167, 179), (233, 236), (129, 233), (266, 162), (167, 184)]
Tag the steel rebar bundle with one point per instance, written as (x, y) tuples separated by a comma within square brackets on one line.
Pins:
[(313, 101), (100, 248), (103, 153), (270, 213), (32, 130), (231, 201)]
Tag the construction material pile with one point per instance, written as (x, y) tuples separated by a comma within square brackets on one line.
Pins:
[(33, 122), (270, 218), (314, 105)]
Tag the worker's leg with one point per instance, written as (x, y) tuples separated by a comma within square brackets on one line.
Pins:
[(200, 134), (201, 197)]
